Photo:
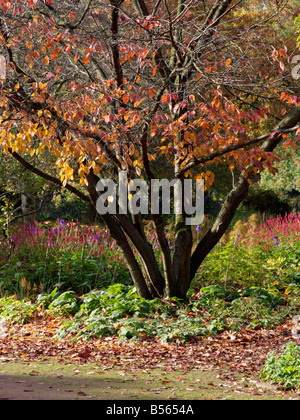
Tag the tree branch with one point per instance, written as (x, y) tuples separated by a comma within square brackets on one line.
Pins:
[(237, 195), (238, 146), (115, 44), (48, 177)]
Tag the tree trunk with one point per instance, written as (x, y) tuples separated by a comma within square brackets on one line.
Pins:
[(91, 213), (28, 206)]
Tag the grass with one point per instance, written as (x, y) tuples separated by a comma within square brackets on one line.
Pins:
[(47, 379)]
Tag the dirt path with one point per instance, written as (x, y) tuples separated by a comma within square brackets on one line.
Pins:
[(43, 380)]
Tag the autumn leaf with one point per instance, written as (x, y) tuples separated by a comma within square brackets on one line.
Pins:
[(228, 63), (54, 54), (284, 96), (86, 59)]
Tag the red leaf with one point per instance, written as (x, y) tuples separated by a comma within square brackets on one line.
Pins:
[(109, 118)]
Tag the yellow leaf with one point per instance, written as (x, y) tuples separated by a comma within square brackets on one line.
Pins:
[(97, 169), (69, 172), (42, 86), (81, 171), (55, 151), (17, 87)]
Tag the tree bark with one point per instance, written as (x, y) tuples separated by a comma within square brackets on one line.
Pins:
[(28, 205)]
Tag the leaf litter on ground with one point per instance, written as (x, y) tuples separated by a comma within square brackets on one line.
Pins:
[(244, 351), (229, 355)]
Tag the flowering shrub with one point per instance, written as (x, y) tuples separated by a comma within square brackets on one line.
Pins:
[(68, 256), (259, 252), (256, 253)]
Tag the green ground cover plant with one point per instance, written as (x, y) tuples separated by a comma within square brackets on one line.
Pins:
[(118, 310), (284, 368)]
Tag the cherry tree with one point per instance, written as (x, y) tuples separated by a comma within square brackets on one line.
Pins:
[(108, 86)]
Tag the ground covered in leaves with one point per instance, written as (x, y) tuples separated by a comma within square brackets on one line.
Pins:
[(234, 357)]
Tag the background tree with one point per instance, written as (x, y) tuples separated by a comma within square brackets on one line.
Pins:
[(121, 83), (29, 191)]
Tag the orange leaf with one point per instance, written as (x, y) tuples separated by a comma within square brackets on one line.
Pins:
[(164, 98), (86, 60), (54, 53)]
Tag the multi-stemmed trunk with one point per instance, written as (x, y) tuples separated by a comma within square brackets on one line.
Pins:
[(175, 277), (179, 271)]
